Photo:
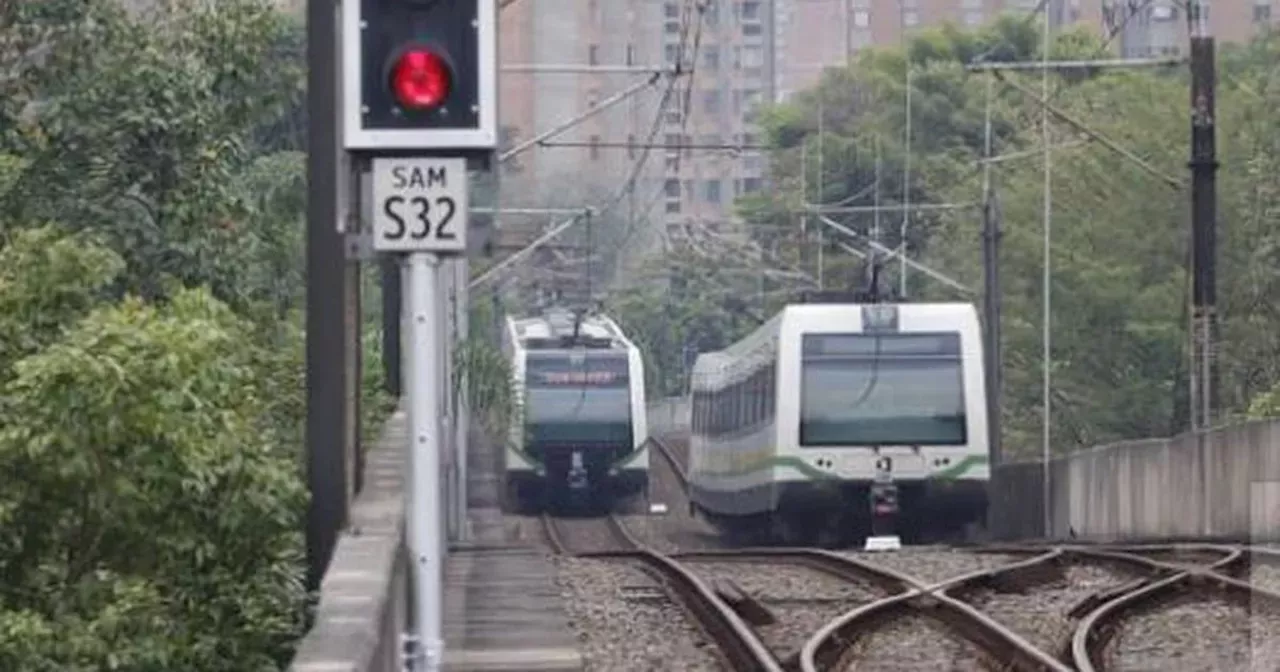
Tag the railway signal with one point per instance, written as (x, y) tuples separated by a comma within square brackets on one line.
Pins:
[(420, 75)]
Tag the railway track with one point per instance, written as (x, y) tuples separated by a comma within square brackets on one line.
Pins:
[(739, 646), (1058, 607)]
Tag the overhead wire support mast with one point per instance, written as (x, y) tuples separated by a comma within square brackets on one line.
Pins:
[(1046, 361), (1204, 166)]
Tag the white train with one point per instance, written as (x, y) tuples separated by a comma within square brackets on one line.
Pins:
[(580, 435), (793, 424)]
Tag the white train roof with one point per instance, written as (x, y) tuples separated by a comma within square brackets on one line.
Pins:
[(559, 324), (751, 351)]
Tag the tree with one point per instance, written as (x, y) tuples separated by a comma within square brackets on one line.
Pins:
[(143, 428), (150, 340)]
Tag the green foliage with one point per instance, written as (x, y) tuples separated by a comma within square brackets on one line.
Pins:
[(47, 282), (143, 428), (491, 390), (150, 471), (1120, 233), (691, 306), (145, 125)]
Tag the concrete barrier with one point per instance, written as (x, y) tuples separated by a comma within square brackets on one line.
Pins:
[(669, 415), (1221, 483), (363, 598)]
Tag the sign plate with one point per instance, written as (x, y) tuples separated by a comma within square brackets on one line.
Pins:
[(420, 205)]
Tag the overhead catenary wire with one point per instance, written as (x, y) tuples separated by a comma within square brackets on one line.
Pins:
[(621, 194)]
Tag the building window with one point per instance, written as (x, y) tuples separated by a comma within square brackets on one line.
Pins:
[(752, 29), (673, 207), (711, 101), (593, 54), (1163, 13), (752, 184), (1262, 13), (750, 10), (672, 142), (595, 147), (671, 53), (711, 58), (672, 28), (672, 188), (910, 18), (631, 54), (862, 18), (671, 10), (711, 191)]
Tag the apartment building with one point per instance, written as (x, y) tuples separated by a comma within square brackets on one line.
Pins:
[(1160, 27), (816, 34), (543, 48), (709, 162)]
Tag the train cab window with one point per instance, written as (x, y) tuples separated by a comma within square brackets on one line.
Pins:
[(882, 389), (578, 402)]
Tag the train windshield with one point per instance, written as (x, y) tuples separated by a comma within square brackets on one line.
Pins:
[(882, 389), (577, 401)]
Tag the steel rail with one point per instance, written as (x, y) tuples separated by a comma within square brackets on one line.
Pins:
[(831, 644), (1097, 628), (737, 643)]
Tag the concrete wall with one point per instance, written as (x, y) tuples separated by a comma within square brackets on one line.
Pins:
[(1225, 482), (363, 602), (668, 415)]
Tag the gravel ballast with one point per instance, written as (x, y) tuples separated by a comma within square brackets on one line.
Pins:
[(913, 644), (1200, 634), (802, 600), (934, 564), (1040, 614), (624, 621)]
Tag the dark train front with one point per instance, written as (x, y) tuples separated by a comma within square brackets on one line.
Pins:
[(581, 430)]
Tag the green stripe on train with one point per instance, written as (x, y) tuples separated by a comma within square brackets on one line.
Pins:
[(955, 471)]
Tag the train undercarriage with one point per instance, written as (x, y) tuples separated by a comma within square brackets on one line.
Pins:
[(845, 514), (577, 480)]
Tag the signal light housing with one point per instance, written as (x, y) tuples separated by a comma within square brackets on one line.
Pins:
[(420, 79), (420, 75)]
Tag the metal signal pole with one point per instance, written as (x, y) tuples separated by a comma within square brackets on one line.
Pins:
[(1204, 205)]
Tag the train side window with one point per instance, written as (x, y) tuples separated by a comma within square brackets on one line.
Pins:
[(696, 420), (759, 386), (717, 424), (735, 406), (753, 399)]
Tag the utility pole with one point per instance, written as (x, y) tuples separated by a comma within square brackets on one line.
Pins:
[(991, 293), (330, 473), (1204, 166)]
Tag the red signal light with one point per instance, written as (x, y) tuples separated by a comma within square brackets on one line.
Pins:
[(420, 79)]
